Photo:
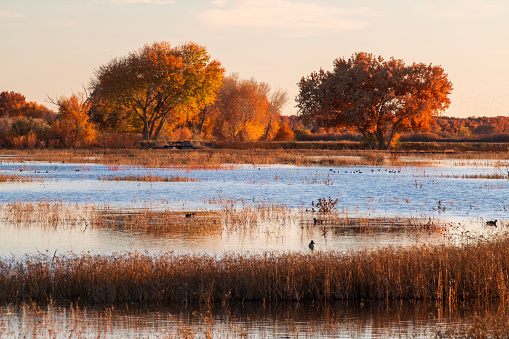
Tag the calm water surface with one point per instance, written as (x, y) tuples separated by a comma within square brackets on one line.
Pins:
[(439, 194)]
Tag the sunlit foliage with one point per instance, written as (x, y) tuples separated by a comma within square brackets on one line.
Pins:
[(375, 97), (246, 110), (147, 88), (73, 127)]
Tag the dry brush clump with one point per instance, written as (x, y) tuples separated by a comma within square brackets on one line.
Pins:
[(445, 273)]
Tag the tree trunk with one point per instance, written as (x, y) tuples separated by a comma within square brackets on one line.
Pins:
[(370, 140), (266, 134), (204, 110), (145, 130), (159, 128)]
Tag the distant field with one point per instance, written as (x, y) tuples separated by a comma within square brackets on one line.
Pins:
[(292, 153)]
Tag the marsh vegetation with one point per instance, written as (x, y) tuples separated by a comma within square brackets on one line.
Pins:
[(208, 238)]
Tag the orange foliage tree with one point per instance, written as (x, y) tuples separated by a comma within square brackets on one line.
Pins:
[(11, 103), (73, 125), (149, 86), (246, 110), (15, 105), (375, 97)]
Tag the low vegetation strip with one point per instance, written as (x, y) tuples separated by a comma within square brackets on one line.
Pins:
[(304, 154), (150, 178), (16, 178), (448, 273)]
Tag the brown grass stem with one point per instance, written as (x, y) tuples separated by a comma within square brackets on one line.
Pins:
[(447, 273)]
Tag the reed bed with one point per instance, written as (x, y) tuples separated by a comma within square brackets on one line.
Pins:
[(17, 178), (486, 176), (150, 178), (159, 222), (477, 271), (46, 214), (248, 219), (219, 158)]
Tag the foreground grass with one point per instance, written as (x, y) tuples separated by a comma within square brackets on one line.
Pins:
[(447, 273)]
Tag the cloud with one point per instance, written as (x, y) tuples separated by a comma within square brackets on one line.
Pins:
[(220, 3), (7, 14), (471, 9), (157, 2), (294, 18)]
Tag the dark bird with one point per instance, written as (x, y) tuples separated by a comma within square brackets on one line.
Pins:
[(189, 215), (317, 221), (312, 246), (491, 223)]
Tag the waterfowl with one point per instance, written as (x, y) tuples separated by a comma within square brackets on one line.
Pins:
[(317, 221), (312, 246), (491, 223)]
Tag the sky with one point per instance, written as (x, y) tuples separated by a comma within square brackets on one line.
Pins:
[(52, 48)]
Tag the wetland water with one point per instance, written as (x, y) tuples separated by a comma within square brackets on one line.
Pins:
[(440, 195)]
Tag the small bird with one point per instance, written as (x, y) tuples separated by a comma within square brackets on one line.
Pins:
[(312, 246), (491, 223)]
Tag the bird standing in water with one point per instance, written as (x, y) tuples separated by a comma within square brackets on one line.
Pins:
[(491, 223), (312, 246)]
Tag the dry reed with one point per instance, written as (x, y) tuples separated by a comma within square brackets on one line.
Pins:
[(218, 158), (247, 219), (150, 178), (159, 222), (17, 178), (477, 271)]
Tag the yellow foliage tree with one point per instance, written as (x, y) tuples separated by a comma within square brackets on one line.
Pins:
[(245, 110), (153, 84)]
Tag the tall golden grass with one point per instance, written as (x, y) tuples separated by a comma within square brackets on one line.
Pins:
[(477, 271)]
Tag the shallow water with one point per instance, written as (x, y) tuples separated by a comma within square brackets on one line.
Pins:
[(399, 191), (420, 193), (458, 207), (250, 320)]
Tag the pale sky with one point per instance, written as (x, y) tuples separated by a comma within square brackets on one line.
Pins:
[(52, 47)]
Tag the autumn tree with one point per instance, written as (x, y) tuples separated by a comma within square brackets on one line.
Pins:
[(375, 97), (11, 103), (14, 104), (73, 125), (246, 110), (148, 86)]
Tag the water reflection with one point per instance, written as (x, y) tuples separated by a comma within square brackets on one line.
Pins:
[(377, 206), (34, 228), (367, 319), (375, 190)]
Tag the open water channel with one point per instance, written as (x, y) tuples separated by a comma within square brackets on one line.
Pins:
[(401, 199)]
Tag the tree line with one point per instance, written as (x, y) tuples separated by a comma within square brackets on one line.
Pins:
[(170, 92), (442, 128), (157, 92)]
